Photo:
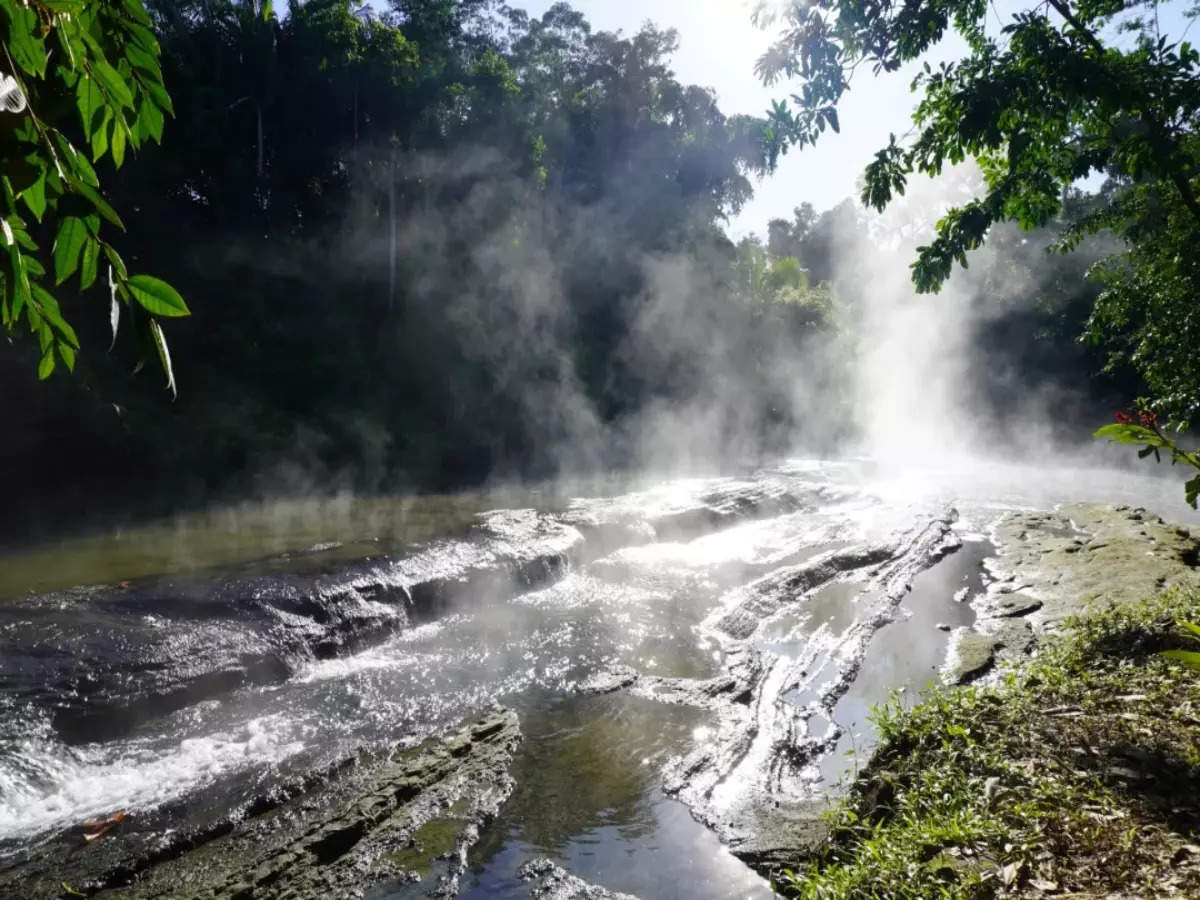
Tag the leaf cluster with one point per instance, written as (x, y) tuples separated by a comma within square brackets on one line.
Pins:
[(91, 78), (1040, 104)]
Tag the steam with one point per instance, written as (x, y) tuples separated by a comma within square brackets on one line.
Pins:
[(934, 377), (536, 337)]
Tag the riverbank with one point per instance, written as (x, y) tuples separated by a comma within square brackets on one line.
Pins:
[(1076, 774)]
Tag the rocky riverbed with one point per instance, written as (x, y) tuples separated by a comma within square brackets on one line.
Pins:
[(689, 664)]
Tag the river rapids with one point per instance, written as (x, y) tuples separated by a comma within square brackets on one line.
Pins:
[(691, 662)]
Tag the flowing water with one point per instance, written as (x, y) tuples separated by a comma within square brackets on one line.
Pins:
[(188, 667)]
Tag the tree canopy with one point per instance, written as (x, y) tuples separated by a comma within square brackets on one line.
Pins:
[(432, 241), (82, 83), (1060, 92)]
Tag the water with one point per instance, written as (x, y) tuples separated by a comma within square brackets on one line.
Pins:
[(223, 622), (603, 814)]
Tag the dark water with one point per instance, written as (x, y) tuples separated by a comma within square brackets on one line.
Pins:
[(910, 651), (601, 813)]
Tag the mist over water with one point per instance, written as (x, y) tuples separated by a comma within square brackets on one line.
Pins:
[(869, 427)]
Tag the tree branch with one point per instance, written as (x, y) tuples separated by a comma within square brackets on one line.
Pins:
[(1157, 128)]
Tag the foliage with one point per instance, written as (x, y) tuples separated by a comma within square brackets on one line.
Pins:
[(1189, 658), (1057, 94), (425, 235), (1040, 105), (1144, 313), (88, 85), (1143, 428), (1076, 773)]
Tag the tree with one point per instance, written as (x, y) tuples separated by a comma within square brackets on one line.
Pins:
[(1039, 106), (84, 82), (1062, 91)]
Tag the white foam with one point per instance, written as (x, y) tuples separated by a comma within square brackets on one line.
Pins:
[(45, 784)]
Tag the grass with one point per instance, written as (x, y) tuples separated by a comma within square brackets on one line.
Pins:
[(1077, 775)]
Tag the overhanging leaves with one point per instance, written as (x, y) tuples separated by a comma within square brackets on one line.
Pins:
[(104, 69), (156, 296)]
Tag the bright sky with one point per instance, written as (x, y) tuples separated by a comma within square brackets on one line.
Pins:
[(718, 48)]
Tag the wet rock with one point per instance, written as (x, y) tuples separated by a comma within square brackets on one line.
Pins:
[(789, 831), (975, 652), (971, 656), (748, 607), (550, 882), (506, 553), (1054, 565), (373, 820), (607, 682), (686, 509), (1083, 553), (734, 687), (1014, 605), (102, 662), (752, 780)]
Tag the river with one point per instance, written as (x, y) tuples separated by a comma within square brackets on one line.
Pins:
[(179, 670)]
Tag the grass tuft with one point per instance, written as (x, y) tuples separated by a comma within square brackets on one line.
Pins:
[(1078, 773)]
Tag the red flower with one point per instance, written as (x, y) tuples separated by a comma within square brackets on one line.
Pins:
[(1148, 419), (1124, 418)]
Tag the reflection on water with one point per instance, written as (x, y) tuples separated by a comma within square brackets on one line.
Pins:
[(833, 607), (906, 654), (588, 796)]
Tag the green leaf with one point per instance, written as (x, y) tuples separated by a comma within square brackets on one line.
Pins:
[(90, 263), (1189, 658), (67, 41), (97, 201), (27, 49), (164, 355), (144, 38), (156, 296), (68, 243), (1192, 491), (135, 9), (44, 334), (46, 366), (1127, 434), (100, 136), (76, 162), (159, 95), (67, 354), (112, 82), (18, 281), (48, 307), (90, 103), (1191, 627), (118, 142), (23, 239), (35, 197), (115, 260), (144, 62), (150, 119)]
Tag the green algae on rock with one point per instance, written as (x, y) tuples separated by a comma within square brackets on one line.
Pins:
[(377, 819)]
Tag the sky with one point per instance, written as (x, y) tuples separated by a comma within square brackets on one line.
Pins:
[(718, 48)]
